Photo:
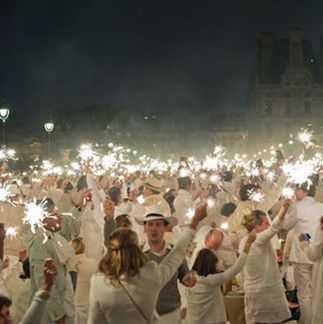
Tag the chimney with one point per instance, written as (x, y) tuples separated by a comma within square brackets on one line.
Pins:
[(265, 52), (296, 46)]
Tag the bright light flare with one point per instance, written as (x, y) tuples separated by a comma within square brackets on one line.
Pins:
[(256, 196), (35, 215), (11, 232), (224, 226), (288, 192), (190, 213), (305, 137)]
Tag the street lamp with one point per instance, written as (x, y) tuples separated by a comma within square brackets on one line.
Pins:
[(49, 126), (4, 114)]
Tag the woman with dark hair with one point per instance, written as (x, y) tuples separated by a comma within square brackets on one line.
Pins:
[(128, 284), (205, 302)]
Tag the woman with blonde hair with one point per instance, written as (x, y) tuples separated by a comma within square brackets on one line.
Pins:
[(127, 286)]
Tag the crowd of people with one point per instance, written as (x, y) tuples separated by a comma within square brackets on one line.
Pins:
[(160, 247)]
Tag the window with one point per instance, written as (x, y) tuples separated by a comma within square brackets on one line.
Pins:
[(307, 107), (268, 107)]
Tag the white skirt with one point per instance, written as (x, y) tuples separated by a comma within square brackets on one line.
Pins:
[(267, 306)]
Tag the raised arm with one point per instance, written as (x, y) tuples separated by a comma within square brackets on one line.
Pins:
[(276, 226), (220, 278), (174, 259)]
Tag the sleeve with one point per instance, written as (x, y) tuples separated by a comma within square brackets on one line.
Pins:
[(266, 236), (314, 251), (174, 258), (290, 219), (220, 278), (95, 313), (36, 310)]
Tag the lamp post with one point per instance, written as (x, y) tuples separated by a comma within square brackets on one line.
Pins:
[(4, 114), (49, 126)]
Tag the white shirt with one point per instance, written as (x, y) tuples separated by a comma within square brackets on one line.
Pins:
[(261, 269), (304, 219)]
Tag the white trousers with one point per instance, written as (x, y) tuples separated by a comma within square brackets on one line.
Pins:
[(303, 281)]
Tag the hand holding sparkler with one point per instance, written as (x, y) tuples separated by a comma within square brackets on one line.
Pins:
[(50, 273), (200, 213), (284, 208)]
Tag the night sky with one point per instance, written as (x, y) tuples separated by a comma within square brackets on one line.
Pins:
[(158, 55)]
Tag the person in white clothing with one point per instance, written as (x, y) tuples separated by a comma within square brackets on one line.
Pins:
[(185, 202), (304, 219), (205, 301), (265, 300), (85, 269), (127, 286), (314, 252)]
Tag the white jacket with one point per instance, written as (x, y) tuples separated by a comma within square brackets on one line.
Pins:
[(110, 304)]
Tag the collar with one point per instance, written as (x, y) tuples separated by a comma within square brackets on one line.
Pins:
[(167, 247)]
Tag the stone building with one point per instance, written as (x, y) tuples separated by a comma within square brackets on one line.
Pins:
[(286, 89)]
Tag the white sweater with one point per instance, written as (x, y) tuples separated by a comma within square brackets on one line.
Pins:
[(205, 300), (110, 304), (261, 269)]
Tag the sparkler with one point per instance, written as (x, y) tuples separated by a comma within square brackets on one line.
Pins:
[(7, 154), (224, 226), (190, 213), (288, 192), (256, 196), (35, 215), (305, 137), (11, 232)]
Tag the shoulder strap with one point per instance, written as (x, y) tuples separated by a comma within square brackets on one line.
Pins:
[(136, 305)]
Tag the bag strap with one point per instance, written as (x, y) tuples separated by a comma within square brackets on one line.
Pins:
[(134, 302)]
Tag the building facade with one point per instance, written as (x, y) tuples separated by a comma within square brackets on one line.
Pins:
[(286, 90)]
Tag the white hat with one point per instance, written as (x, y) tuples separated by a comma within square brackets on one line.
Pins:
[(155, 212), (154, 183), (13, 190)]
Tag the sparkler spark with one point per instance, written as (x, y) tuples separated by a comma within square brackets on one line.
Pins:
[(305, 137), (35, 215), (288, 192), (210, 203), (11, 232), (190, 213), (224, 226), (256, 195)]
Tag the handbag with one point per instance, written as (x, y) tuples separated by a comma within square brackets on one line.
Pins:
[(134, 302)]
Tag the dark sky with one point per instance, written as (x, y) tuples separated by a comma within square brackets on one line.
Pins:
[(160, 55)]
